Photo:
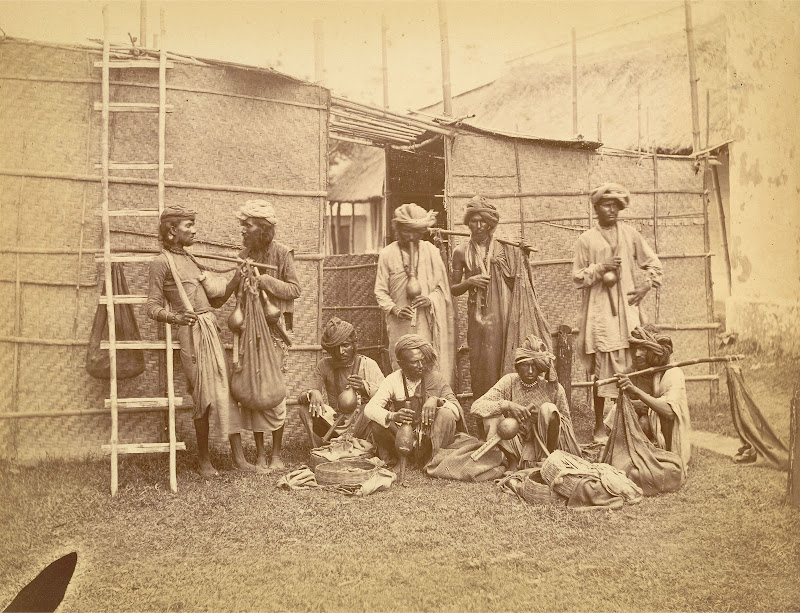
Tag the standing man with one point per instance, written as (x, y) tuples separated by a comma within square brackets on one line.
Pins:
[(430, 314), (177, 279), (491, 272), (279, 282), (418, 395), (343, 367), (606, 258)]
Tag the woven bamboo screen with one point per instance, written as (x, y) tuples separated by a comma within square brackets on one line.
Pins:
[(233, 134), (672, 221)]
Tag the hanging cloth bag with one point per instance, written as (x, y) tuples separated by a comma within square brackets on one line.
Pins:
[(652, 469), (257, 383), (130, 362)]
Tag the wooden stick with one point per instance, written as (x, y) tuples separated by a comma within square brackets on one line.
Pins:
[(502, 241), (655, 369), (485, 448), (611, 300)]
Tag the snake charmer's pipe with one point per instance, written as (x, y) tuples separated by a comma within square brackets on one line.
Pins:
[(506, 430), (413, 288)]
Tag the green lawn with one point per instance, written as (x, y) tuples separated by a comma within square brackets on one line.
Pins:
[(726, 541)]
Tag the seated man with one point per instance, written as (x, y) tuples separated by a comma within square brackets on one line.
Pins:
[(343, 368), (534, 397), (659, 398), (418, 395)]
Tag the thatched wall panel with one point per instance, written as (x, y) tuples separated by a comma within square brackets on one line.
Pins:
[(683, 292), (551, 169), (634, 173), (31, 60), (479, 155), (678, 175), (45, 126), (683, 238), (690, 205)]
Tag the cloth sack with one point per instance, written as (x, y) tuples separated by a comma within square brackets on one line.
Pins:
[(628, 449), (303, 478), (754, 431), (454, 462), (257, 383), (130, 363)]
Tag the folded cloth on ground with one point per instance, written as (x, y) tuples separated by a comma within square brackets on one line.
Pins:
[(454, 461), (301, 479)]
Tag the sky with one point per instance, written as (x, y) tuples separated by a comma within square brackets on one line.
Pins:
[(483, 35)]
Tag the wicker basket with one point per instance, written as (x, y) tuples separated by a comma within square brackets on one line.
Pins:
[(315, 460), (344, 472), (536, 491)]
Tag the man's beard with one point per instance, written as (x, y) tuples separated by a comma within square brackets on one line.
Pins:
[(257, 243)]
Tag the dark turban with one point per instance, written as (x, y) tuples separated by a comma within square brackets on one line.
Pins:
[(413, 217), (414, 341), (336, 332), (533, 348), (611, 191), (177, 213), (481, 206), (649, 337)]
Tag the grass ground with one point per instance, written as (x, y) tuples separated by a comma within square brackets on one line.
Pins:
[(726, 541)]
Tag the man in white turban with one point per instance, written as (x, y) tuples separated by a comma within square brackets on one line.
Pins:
[(606, 258), (279, 282), (428, 314)]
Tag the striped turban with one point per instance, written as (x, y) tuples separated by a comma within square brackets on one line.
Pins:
[(177, 213), (414, 341), (649, 337), (413, 217), (481, 206), (611, 191), (336, 332), (257, 208), (533, 348)]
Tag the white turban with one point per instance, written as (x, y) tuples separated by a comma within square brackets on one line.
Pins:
[(257, 208)]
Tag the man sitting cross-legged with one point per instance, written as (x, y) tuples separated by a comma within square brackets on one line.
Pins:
[(534, 397), (419, 395), (343, 367)]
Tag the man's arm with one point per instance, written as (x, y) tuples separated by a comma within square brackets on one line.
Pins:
[(647, 259), (155, 292), (584, 272), (376, 407), (385, 301), (373, 376), (286, 289), (491, 404)]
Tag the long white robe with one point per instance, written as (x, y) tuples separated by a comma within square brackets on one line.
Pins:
[(600, 331), (434, 324)]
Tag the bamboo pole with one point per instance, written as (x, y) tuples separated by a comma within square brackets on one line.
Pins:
[(655, 228), (722, 225), (519, 189), (639, 118), (112, 332), (384, 60), (162, 114), (143, 23), (574, 85), (600, 127), (793, 481), (692, 76), (352, 227), (376, 111), (319, 52), (502, 241), (447, 101), (655, 369), (339, 225)]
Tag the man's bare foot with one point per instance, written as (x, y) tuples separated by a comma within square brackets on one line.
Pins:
[(276, 463), (243, 465), (600, 434), (206, 470), (261, 465)]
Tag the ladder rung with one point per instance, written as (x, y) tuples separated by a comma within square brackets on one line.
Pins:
[(140, 345), (130, 213), (132, 107), (132, 166), (144, 447), (149, 63), (144, 403), (125, 299)]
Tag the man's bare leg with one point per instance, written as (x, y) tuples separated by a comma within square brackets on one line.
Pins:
[(261, 454), (277, 444), (237, 454), (600, 435), (204, 466)]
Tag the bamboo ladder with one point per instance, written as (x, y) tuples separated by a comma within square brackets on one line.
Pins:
[(106, 107)]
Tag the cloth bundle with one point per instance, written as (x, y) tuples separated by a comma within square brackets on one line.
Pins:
[(628, 449), (454, 461), (303, 478)]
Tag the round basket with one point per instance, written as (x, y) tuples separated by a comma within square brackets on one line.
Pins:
[(536, 491), (345, 472), (315, 460)]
